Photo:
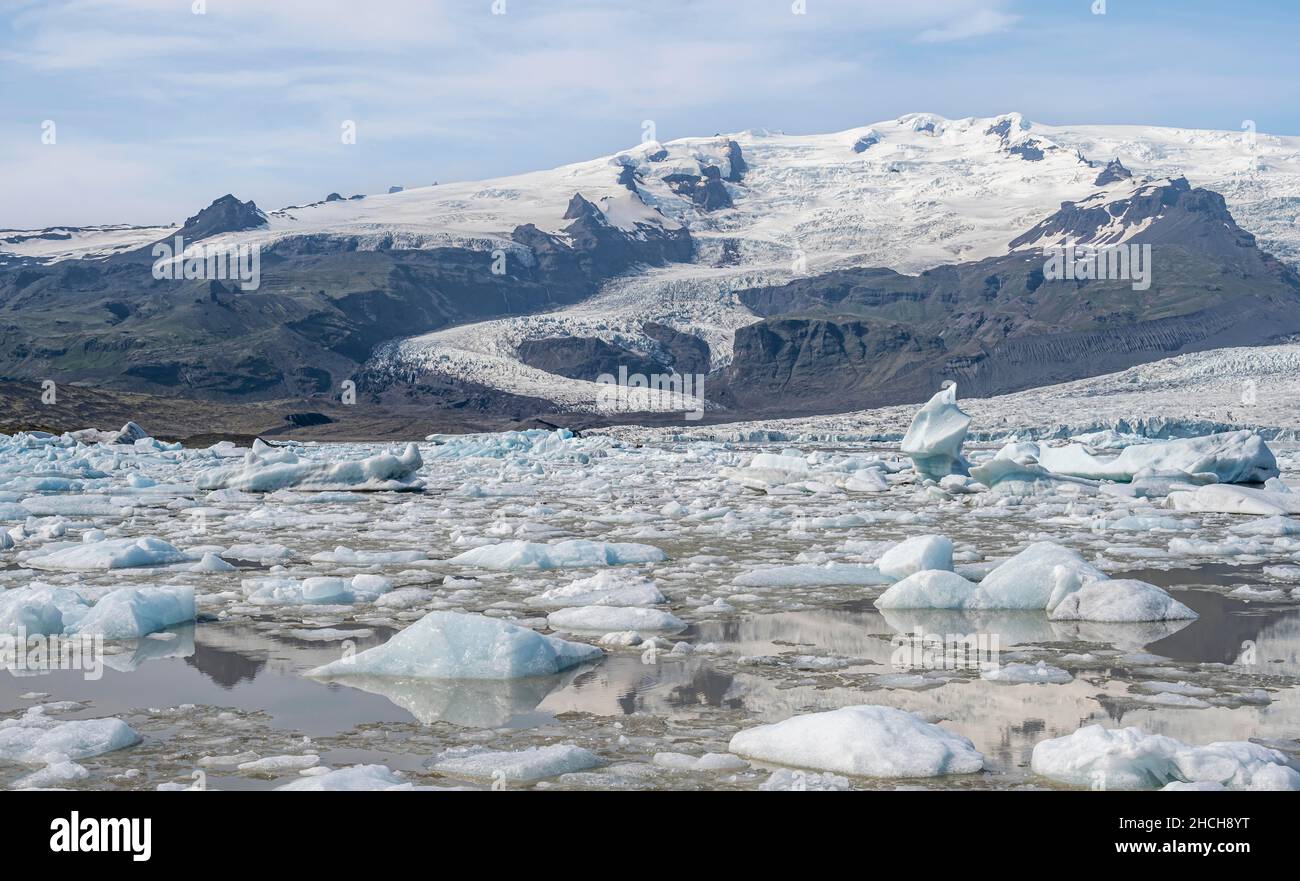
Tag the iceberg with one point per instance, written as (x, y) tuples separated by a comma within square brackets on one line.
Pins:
[(605, 588), (1231, 457), (607, 619), (571, 554), (1027, 580), (1025, 477), (519, 766), (358, 778), (937, 589), (35, 738), (934, 439), (1129, 758), (113, 553), (1217, 498), (39, 611), (266, 469), (915, 555), (453, 645), (133, 612), (1120, 600), (864, 741)]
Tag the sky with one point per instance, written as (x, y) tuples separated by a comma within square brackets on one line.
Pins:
[(144, 111)]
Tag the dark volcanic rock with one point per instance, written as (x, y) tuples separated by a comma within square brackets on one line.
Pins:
[(585, 358), (683, 352), (706, 190), (226, 214), (736, 159), (1113, 172), (871, 337), (864, 143), (1029, 151)]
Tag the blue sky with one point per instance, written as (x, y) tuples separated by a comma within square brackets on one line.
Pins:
[(158, 110)]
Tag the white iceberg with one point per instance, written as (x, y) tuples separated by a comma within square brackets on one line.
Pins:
[(39, 611), (916, 555), (934, 589), (865, 741), (266, 469), (519, 766), (1025, 477), (607, 588), (1217, 498), (358, 778), (133, 612), (113, 553), (935, 437), (452, 645), (1232, 457), (1120, 600), (606, 619), (35, 738), (570, 554), (1129, 758)]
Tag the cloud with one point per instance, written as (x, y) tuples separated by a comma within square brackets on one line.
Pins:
[(978, 24)]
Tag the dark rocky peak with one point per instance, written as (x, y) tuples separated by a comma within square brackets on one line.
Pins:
[(580, 209), (736, 159), (1112, 173), (705, 189), (1029, 150), (866, 142), (226, 214), (1001, 128), (1168, 212)]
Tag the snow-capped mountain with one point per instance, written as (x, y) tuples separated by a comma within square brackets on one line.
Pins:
[(656, 256)]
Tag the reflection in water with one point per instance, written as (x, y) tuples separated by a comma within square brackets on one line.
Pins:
[(473, 703)]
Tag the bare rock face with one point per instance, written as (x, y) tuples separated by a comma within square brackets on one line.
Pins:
[(226, 214)]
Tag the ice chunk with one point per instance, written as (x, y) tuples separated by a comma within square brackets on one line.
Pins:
[(114, 553), (1232, 457), (1120, 600), (452, 645), (1026, 478), (808, 575), (1129, 758), (916, 555), (39, 611), (604, 619), (605, 588), (133, 612), (571, 554), (1019, 674), (521, 766), (1027, 581), (936, 589), (1218, 498), (867, 741), (934, 439), (34, 738), (266, 469), (358, 778)]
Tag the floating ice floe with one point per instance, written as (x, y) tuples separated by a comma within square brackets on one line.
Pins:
[(935, 437), (606, 588), (1021, 674), (605, 619), (924, 552), (1025, 477), (865, 741), (39, 610), (809, 575), (317, 590), (1222, 499), (570, 554), (1119, 600), (791, 472), (134, 612), (451, 645), (1129, 758), (1231, 457), (518, 766), (113, 553), (34, 738), (358, 778), (266, 469), (1043, 577)]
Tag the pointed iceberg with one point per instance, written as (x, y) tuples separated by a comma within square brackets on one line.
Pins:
[(935, 437)]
